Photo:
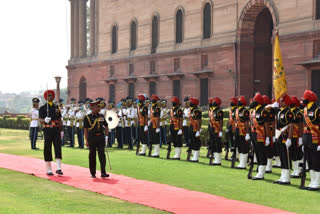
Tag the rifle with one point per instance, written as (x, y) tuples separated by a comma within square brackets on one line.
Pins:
[(138, 147), (226, 146), (150, 149), (303, 172), (251, 158), (234, 155), (169, 146), (189, 152), (211, 146)]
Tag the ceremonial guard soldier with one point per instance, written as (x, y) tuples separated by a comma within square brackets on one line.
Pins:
[(295, 151), (111, 138), (176, 127), (71, 122), (163, 122), (216, 125), (130, 115), (260, 133), (51, 117), (311, 138), (79, 124), (149, 121), (186, 121), (95, 127), (65, 119), (120, 127), (143, 124), (195, 126), (34, 125), (285, 119), (242, 135), (231, 125), (154, 130)]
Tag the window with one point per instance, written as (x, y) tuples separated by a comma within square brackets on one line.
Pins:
[(111, 70), (112, 92), (204, 91), (177, 65), (131, 69), (152, 67), (317, 12), (131, 89), (155, 27), (179, 26), (82, 89), (176, 88), (152, 88), (207, 21), (114, 39), (133, 35), (204, 61)]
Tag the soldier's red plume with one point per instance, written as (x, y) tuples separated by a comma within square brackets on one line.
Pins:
[(45, 95), (154, 97), (266, 100), (194, 101), (217, 100), (310, 96), (243, 100), (210, 100), (258, 98), (142, 98), (175, 99), (233, 100), (287, 99), (295, 101)]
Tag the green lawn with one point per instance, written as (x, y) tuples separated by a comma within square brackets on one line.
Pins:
[(222, 181)]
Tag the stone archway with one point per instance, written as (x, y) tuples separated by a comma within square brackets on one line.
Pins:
[(257, 24)]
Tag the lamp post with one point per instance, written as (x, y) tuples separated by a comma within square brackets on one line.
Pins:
[(58, 79)]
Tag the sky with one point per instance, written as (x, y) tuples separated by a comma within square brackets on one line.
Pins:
[(34, 44)]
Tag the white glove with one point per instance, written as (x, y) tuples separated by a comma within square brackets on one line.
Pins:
[(198, 134), (302, 149), (227, 130), (47, 119), (106, 140), (200, 130), (273, 139), (247, 138), (149, 122), (161, 123), (180, 132), (300, 141), (145, 128), (288, 143), (267, 141), (220, 134), (318, 148), (157, 130)]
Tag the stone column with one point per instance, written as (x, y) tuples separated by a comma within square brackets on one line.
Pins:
[(82, 28), (72, 27), (58, 79), (76, 28), (92, 27)]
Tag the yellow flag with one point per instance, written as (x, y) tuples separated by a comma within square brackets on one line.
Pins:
[(279, 77)]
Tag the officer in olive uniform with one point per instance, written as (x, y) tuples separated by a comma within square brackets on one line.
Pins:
[(176, 127), (216, 124), (95, 127), (285, 119), (311, 138), (195, 126), (34, 125), (51, 117)]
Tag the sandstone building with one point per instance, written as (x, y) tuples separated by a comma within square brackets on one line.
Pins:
[(200, 48)]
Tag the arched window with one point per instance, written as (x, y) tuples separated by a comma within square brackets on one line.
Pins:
[(133, 35), (82, 89), (179, 26), (207, 21), (155, 28), (114, 39)]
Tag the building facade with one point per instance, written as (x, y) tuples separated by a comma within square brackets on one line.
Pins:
[(200, 48)]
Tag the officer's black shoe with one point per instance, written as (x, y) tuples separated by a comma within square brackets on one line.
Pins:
[(35, 148), (104, 175), (93, 176), (49, 173), (59, 172)]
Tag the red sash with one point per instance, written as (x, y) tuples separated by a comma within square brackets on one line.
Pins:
[(315, 132), (241, 125), (260, 130)]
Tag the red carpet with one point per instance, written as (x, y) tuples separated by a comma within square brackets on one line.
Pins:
[(160, 196)]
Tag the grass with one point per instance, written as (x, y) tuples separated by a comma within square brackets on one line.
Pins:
[(38, 195), (222, 181)]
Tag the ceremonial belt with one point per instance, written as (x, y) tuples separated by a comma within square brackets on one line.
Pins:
[(53, 124), (241, 125), (258, 129), (314, 129), (65, 119)]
